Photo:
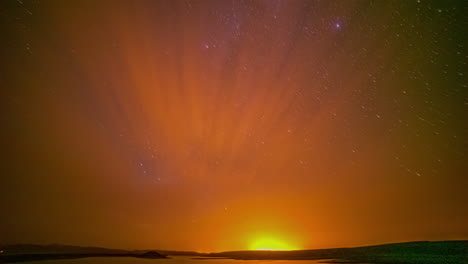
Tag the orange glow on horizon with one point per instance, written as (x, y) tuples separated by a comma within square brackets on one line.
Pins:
[(271, 243)]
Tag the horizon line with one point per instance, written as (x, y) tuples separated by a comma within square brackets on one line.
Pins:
[(239, 250)]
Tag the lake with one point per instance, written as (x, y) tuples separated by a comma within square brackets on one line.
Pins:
[(172, 260)]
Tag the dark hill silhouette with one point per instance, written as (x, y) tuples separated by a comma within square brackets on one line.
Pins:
[(28, 252), (58, 248), (151, 254), (446, 252), (67, 249)]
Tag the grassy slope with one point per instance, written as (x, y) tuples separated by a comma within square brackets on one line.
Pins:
[(448, 252)]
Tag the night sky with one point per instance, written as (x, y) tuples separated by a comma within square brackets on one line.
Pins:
[(219, 125)]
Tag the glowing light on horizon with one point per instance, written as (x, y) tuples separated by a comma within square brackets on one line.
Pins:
[(269, 243)]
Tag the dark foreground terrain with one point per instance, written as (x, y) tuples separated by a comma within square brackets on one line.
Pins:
[(441, 252), (23, 253)]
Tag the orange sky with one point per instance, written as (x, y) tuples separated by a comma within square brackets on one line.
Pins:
[(209, 125)]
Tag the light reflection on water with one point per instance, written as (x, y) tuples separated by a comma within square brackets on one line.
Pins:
[(172, 260)]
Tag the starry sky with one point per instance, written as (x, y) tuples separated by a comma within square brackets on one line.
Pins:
[(207, 125)]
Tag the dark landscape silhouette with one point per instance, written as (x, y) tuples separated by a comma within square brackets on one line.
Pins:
[(421, 252)]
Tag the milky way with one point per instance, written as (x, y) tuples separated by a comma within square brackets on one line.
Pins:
[(199, 125)]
